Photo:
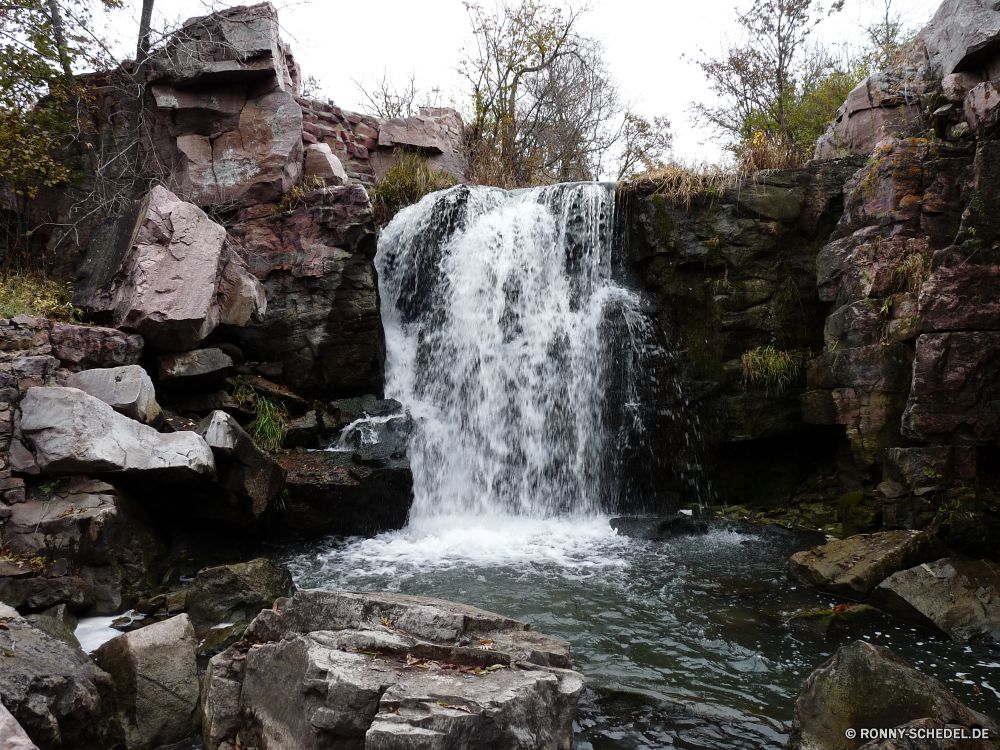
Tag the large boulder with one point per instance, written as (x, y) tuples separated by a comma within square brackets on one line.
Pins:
[(128, 390), (72, 432), (959, 597), (103, 557), (853, 567), (250, 478), (322, 165), (864, 686), (390, 671), (338, 492), (963, 35), (54, 691), (156, 682), (223, 90), (173, 279), (437, 132), (194, 369), (236, 593)]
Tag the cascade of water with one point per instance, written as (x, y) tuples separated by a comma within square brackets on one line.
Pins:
[(514, 347)]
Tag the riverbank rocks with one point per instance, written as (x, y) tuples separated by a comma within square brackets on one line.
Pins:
[(959, 597), (128, 390), (867, 686), (853, 567), (101, 555), (233, 594), (390, 671), (360, 492), (84, 347), (73, 432), (172, 279), (156, 682), (54, 691)]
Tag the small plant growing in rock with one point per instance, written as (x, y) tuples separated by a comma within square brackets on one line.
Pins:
[(267, 428), (296, 195), (769, 368), (408, 179)]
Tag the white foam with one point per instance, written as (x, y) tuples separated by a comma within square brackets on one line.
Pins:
[(94, 632)]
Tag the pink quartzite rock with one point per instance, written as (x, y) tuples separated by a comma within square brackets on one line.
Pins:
[(179, 280), (954, 394), (85, 347), (322, 164), (963, 35)]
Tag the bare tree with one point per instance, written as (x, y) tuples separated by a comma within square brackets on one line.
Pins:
[(388, 101)]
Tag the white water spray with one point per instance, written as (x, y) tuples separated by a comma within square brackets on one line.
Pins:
[(504, 334)]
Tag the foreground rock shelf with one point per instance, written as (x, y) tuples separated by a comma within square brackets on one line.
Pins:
[(387, 672)]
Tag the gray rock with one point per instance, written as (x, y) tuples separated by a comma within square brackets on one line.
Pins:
[(249, 477), (958, 597), (57, 621), (156, 682), (35, 367), (853, 567), (236, 593), (12, 736), (418, 691), (128, 390), (195, 368), (85, 347), (864, 685), (73, 432), (963, 35), (54, 691)]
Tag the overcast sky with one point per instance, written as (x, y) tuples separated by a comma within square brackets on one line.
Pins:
[(650, 46)]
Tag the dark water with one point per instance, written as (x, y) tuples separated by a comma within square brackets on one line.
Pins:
[(681, 641)]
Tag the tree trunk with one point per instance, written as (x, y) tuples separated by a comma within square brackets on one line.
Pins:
[(142, 49)]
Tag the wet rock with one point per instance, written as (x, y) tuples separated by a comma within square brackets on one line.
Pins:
[(954, 380), (853, 567), (313, 643), (72, 432), (175, 282), (195, 369), (958, 597), (322, 165), (836, 621), (913, 736), (12, 736), (656, 527), (303, 432), (156, 682), (864, 685), (128, 390), (249, 477), (85, 347), (236, 593), (57, 621), (103, 554), (331, 492), (54, 691)]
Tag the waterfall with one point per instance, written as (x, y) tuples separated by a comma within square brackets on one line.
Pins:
[(514, 343)]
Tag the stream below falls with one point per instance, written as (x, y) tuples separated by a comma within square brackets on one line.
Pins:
[(681, 641)]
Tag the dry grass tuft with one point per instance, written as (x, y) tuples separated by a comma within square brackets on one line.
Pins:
[(33, 293), (682, 185), (406, 181), (764, 152)]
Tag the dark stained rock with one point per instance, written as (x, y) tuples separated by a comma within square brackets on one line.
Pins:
[(853, 567), (194, 369), (248, 476), (236, 593), (958, 597), (956, 386), (312, 645), (156, 682), (835, 622), (336, 492), (12, 735), (922, 734), (316, 264), (866, 686), (54, 690)]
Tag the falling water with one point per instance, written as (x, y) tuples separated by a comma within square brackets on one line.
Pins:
[(516, 347)]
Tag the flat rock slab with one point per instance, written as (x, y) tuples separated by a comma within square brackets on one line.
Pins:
[(959, 597), (195, 368), (128, 390), (853, 567), (72, 432), (388, 672)]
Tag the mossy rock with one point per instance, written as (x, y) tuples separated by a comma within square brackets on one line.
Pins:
[(837, 621)]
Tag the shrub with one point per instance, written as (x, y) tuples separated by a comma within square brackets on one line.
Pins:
[(267, 428), (771, 369), (33, 293), (408, 179), (765, 151)]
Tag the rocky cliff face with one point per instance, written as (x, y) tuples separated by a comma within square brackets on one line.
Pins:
[(883, 273)]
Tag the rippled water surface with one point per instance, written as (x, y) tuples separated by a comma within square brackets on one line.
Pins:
[(681, 640)]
